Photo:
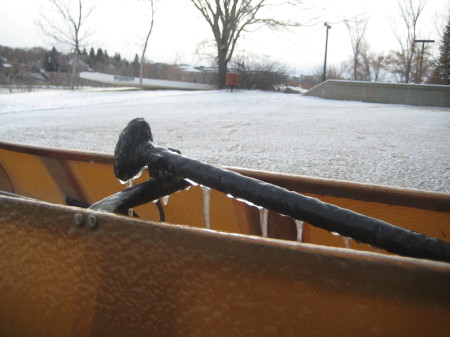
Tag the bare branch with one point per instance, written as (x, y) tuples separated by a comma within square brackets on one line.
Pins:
[(152, 12), (66, 27), (409, 11), (357, 29), (229, 19)]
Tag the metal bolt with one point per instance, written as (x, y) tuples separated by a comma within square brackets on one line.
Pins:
[(78, 219), (92, 221)]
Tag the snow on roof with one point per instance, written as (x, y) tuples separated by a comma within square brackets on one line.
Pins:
[(189, 68)]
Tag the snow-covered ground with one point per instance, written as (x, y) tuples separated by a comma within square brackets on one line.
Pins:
[(397, 145)]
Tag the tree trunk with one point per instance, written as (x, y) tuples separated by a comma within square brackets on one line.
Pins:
[(141, 70), (407, 70), (222, 65), (141, 66), (355, 68), (144, 49), (73, 75)]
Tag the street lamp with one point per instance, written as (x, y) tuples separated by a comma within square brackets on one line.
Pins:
[(326, 48), (421, 58)]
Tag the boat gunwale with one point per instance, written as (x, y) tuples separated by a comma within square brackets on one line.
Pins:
[(435, 201), (106, 220)]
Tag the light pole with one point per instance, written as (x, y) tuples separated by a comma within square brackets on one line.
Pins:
[(326, 48), (421, 57)]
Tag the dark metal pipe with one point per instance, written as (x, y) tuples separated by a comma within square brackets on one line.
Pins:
[(135, 147), (140, 194), (320, 214)]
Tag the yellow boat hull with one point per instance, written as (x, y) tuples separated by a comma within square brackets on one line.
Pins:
[(112, 275)]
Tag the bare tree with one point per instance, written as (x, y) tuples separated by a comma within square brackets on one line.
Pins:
[(334, 72), (229, 19), (151, 20), (375, 64), (67, 27), (372, 66), (357, 30), (258, 72), (410, 12)]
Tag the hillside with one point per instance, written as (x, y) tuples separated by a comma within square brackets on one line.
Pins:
[(26, 69)]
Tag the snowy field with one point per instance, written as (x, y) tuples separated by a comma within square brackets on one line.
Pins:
[(396, 145)]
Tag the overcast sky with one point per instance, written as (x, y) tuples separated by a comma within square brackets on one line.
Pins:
[(118, 26)]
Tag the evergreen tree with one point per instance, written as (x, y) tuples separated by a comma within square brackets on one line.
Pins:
[(90, 60), (99, 55), (443, 67), (117, 57), (51, 60), (136, 60)]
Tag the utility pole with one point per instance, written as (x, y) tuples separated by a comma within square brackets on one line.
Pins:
[(326, 49), (421, 57)]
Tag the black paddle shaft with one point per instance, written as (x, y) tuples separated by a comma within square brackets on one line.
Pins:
[(160, 161)]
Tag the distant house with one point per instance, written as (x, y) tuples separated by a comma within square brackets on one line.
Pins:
[(4, 63)]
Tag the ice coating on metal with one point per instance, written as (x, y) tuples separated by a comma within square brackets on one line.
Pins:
[(246, 202), (242, 200), (193, 183), (131, 181)]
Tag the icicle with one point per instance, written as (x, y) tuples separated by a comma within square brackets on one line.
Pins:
[(263, 214), (346, 241), (165, 200), (130, 183), (206, 205), (299, 225)]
